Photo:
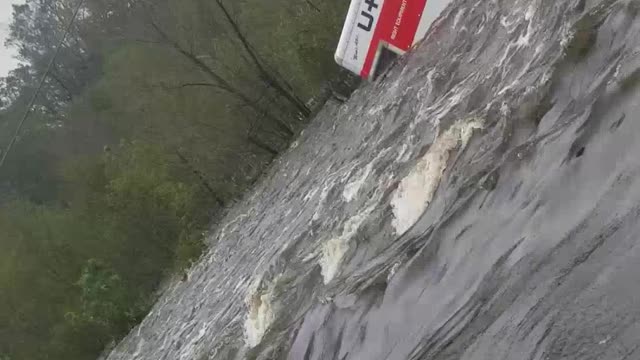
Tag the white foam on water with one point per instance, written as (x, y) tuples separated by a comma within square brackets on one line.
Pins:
[(416, 190), (189, 350), (260, 313), (376, 110), (259, 318), (525, 39), (459, 15), (240, 284), (393, 270), (321, 201), (139, 347), (403, 156), (334, 250), (310, 256), (310, 194), (351, 189), (566, 35)]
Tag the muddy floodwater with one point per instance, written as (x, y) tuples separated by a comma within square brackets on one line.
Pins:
[(480, 201)]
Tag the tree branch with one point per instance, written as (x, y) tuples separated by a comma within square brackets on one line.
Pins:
[(182, 86), (313, 6), (222, 83), (203, 180), (268, 77)]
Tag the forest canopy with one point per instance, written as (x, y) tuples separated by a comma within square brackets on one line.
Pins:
[(154, 116)]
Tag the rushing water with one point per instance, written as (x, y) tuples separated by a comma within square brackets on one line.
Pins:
[(481, 201)]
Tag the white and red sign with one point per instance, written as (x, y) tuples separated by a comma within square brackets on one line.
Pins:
[(374, 24)]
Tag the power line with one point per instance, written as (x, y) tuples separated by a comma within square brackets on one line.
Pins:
[(41, 84)]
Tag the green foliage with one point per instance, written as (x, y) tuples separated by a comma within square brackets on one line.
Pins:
[(102, 296), (131, 211), (189, 248), (106, 308), (303, 38), (38, 263), (154, 117), (33, 174)]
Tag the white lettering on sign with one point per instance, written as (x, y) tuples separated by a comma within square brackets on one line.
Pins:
[(398, 22)]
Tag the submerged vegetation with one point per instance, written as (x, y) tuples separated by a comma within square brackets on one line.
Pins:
[(153, 118)]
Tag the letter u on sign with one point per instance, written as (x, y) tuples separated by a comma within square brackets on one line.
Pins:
[(369, 21)]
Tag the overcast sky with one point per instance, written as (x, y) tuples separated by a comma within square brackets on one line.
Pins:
[(7, 62)]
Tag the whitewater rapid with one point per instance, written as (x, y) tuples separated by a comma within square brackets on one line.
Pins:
[(479, 201)]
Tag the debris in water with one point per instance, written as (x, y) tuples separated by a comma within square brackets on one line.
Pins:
[(334, 250), (393, 270), (332, 254), (260, 314), (416, 191), (351, 189)]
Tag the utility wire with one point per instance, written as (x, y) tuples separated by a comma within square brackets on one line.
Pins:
[(27, 111)]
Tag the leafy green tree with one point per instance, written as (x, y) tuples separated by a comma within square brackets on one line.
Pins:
[(155, 116)]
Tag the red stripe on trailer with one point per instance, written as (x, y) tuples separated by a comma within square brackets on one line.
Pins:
[(397, 25)]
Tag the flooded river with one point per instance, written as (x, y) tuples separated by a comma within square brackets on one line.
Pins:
[(480, 201)]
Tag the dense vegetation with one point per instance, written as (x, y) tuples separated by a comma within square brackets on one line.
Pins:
[(155, 115)]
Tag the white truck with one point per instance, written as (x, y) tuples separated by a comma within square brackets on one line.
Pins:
[(376, 31)]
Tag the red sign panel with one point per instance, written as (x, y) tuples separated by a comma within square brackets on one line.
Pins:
[(397, 26)]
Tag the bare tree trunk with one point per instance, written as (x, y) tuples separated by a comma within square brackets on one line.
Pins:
[(269, 77), (201, 177), (187, 85), (312, 5), (253, 139), (222, 83)]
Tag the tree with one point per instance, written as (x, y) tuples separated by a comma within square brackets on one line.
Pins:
[(37, 27), (155, 116)]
